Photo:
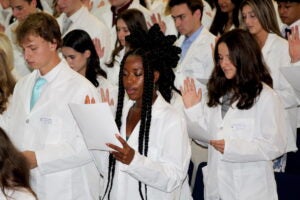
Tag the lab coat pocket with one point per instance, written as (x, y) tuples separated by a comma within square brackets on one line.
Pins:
[(52, 127), (242, 128), (251, 181)]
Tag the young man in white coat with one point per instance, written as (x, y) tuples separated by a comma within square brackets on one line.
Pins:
[(20, 10), (195, 41), (289, 12), (40, 123), (77, 16)]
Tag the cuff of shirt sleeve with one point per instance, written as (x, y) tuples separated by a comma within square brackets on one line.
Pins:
[(136, 161)]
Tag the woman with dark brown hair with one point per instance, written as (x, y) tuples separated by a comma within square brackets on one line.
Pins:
[(14, 172)]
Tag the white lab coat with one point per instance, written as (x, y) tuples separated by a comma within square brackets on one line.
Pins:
[(106, 85), (84, 20), (253, 138), (18, 194), (113, 72), (276, 55), (198, 62), (65, 169), (165, 168)]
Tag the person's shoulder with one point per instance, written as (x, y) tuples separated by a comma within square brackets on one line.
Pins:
[(163, 109), (18, 194), (206, 37), (276, 40), (268, 93)]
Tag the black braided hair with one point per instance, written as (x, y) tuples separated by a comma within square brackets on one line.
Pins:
[(158, 54)]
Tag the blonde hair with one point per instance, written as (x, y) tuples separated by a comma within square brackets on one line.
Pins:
[(6, 46), (7, 82)]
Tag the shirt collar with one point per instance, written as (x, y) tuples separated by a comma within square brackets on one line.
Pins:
[(77, 14), (193, 37), (50, 76)]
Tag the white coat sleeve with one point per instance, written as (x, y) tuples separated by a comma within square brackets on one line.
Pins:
[(170, 169), (197, 124), (269, 140)]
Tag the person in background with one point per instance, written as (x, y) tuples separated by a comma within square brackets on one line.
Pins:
[(242, 120), (6, 46), (20, 9), (14, 172), (195, 41), (127, 22), (80, 53), (7, 80), (40, 122), (76, 16), (260, 20), (226, 17), (289, 12)]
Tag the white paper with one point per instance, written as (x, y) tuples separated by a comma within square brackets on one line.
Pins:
[(292, 75), (97, 125)]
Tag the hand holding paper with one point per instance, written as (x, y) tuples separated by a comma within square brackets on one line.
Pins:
[(124, 155), (97, 125)]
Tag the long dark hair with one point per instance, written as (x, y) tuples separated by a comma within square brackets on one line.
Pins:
[(221, 18), (134, 19), (14, 168), (158, 54), (80, 41), (251, 71)]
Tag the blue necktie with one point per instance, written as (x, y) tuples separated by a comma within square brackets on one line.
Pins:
[(36, 91)]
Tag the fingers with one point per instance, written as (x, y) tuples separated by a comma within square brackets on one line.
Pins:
[(189, 85), (87, 99), (125, 154), (159, 18), (219, 145), (102, 94)]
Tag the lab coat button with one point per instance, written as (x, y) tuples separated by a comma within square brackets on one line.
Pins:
[(27, 121)]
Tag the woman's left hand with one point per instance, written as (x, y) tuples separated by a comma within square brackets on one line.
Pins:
[(124, 155), (219, 145)]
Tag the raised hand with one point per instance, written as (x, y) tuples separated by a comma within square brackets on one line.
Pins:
[(156, 19), (189, 94), (105, 97), (89, 100), (294, 44), (124, 155), (98, 47)]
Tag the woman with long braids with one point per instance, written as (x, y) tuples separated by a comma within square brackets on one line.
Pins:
[(153, 160)]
